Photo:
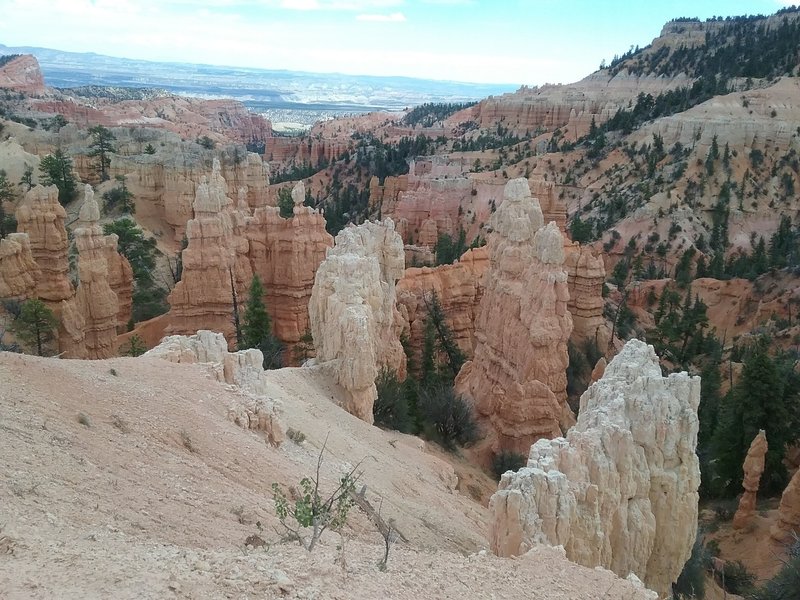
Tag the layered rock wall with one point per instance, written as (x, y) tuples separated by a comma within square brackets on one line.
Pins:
[(286, 254), (459, 288), (18, 270), (620, 490), (585, 277), (226, 246), (42, 218), (354, 320), (517, 378), (96, 301), (787, 527)]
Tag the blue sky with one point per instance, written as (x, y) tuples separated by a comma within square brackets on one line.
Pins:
[(501, 41)]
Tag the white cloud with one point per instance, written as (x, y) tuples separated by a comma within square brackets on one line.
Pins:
[(392, 18), (343, 5)]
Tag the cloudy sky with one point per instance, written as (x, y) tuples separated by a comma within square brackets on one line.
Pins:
[(488, 41)]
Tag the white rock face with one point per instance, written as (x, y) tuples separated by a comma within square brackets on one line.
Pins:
[(620, 491), (242, 369), (353, 311)]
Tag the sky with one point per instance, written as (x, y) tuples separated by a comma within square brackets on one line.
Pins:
[(487, 41)]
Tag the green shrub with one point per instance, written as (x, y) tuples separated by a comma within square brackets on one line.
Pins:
[(447, 417), (391, 406), (507, 461), (785, 585), (736, 579)]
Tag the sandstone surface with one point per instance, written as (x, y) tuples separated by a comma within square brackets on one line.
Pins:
[(517, 378), (585, 277), (18, 270), (227, 245), (143, 481), (354, 319), (753, 468), (215, 264), (459, 288), (42, 218), (787, 527), (22, 74), (286, 254), (620, 490), (95, 299), (242, 369)]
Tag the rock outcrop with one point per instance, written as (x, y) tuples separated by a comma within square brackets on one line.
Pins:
[(788, 524), (354, 319), (753, 468), (620, 491), (23, 75), (459, 288), (18, 270), (226, 246), (286, 254), (242, 369), (215, 265), (585, 277), (517, 378), (96, 301), (42, 218)]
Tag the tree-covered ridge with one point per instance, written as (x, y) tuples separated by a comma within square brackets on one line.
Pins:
[(4, 60), (745, 46), (429, 113)]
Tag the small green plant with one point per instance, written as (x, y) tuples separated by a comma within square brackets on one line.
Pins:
[(83, 419), (136, 346), (113, 372), (736, 579), (298, 437), (312, 509)]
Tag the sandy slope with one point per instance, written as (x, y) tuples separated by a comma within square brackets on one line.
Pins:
[(124, 508)]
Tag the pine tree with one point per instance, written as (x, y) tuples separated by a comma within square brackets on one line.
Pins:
[(56, 169), (257, 327), (756, 402), (100, 148), (36, 324)]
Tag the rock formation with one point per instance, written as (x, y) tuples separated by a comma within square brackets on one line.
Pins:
[(23, 75), (517, 378), (286, 254), (96, 301), (620, 491), (42, 218), (18, 270), (788, 524), (354, 320), (753, 468), (459, 288), (585, 277), (243, 369), (215, 264), (226, 246)]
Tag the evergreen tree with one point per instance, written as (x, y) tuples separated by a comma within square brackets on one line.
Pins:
[(257, 327), (100, 148), (35, 325), (56, 169), (7, 222), (756, 402)]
